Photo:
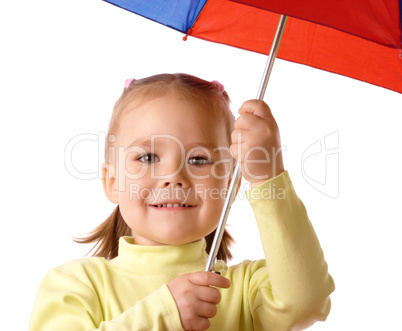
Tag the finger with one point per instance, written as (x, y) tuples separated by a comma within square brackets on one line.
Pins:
[(209, 294), (256, 107), (243, 136), (248, 121), (206, 278), (200, 324), (236, 136), (233, 149), (206, 309), (197, 324)]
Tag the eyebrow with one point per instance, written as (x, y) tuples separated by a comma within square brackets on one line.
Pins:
[(148, 143), (212, 149), (140, 143), (202, 145)]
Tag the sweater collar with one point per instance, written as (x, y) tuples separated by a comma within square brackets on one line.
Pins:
[(175, 259)]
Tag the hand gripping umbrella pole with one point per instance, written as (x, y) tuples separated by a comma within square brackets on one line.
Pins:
[(236, 173)]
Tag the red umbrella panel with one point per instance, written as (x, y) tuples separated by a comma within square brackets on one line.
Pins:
[(358, 39)]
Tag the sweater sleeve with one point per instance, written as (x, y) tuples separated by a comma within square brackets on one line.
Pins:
[(65, 302), (291, 291)]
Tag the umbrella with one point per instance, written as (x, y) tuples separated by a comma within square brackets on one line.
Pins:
[(361, 40), (358, 39)]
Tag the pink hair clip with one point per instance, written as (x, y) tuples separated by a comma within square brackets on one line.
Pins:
[(219, 86), (128, 82)]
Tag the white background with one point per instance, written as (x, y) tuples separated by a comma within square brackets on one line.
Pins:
[(63, 64)]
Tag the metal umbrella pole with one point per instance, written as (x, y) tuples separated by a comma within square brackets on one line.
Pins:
[(236, 173)]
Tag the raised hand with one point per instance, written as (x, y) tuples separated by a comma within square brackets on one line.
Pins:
[(256, 143)]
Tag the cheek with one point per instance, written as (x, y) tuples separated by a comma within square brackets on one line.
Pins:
[(132, 203), (129, 168), (131, 173), (134, 191), (223, 169), (224, 166), (214, 193)]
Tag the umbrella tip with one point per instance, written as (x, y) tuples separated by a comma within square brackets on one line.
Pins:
[(187, 34)]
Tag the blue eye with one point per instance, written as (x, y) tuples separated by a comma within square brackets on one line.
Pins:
[(148, 158), (198, 160)]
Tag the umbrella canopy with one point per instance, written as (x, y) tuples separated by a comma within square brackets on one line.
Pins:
[(358, 39)]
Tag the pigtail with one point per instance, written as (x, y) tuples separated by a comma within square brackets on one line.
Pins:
[(106, 236), (224, 252)]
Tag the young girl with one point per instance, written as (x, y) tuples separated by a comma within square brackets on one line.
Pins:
[(168, 165)]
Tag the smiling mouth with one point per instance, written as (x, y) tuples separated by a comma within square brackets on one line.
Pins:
[(172, 205)]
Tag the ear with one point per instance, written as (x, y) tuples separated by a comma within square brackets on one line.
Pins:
[(109, 182)]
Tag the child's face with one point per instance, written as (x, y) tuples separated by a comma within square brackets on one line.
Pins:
[(173, 170)]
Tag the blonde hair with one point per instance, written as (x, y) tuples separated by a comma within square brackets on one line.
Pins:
[(209, 94)]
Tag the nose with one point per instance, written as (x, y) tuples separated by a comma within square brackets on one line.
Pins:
[(173, 174), (176, 179), (172, 184)]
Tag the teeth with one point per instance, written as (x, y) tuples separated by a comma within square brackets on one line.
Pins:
[(174, 205)]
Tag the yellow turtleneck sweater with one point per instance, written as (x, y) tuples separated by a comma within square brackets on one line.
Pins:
[(288, 290)]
